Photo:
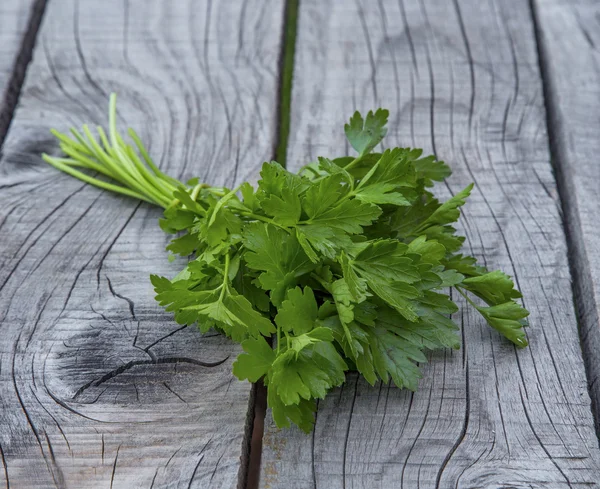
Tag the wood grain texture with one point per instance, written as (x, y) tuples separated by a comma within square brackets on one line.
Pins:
[(571, 65), (462, 80), (17, 19), (98, 386)]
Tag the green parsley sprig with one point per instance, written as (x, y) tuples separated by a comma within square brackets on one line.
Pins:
[(342, 266)]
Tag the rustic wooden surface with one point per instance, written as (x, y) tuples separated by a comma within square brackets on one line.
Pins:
[(462, 79), (572, 81), (15, 43), (98, 386)]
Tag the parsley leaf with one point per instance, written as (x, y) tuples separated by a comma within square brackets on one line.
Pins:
[(257, 360), (222, 307), (298, 312), (507, 319), (309, 373), (349, 216), (365, 134), (278, 255)]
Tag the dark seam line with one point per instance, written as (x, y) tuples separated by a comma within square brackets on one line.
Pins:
[(15, 83), (249, 475), (286, 68), (589, 335)]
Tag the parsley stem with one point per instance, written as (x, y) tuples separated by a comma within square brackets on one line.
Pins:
[(118, 173), (222, 201), (319, 279), (264, 219), (309, 168), (64, 140), (194, 194), (196, 191), (216, 191), (82, 161), (158, 183), (369, 174), (141, 148), (421, 227), (278, 337), (55, 162), (356, 160), (112, 157), (81, 139), (225, 277), (460, 291), (121, 169)]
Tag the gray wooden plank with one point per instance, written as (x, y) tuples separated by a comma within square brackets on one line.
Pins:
[(16, 16), (462, 80), (98, 386), (571, 67)]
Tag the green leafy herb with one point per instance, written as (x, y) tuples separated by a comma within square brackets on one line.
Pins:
[(340, 267)]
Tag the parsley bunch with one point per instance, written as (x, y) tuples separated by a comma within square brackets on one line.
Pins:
[(340, 267)]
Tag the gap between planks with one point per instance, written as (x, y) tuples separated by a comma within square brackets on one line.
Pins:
[(589, 333), (17, 77), (286, 75)]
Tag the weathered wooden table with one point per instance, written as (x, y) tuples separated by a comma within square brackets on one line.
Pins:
[(99, 388)]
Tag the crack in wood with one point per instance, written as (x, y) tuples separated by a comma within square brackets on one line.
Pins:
[(135, 363)]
